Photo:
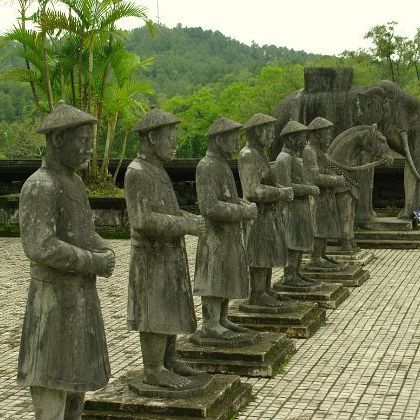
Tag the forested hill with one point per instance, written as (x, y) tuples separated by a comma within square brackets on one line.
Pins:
[(188, 58)]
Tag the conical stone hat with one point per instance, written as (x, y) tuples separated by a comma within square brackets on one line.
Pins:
[(319, 123), (293, 127), (222, 125), (65, 116), (259, 119), (155, 118)]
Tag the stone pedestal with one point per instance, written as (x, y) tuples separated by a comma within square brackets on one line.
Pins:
[(261, 359), (359, 256), (330, 296), (299, 323), (388, 232), (352, 276), (224, 397)]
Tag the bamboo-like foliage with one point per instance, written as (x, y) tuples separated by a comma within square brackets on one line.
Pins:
[(73, 50)]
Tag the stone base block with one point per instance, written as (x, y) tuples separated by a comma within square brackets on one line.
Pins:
[(223, 399), (359, 256), (386, 223), (245, 339), (330, 296), (261, 359), (353, 276), (299, 323)]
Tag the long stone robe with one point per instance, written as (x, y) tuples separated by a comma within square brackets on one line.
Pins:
[(266, 245), (63, 342), (159, 290), (324, 209), (298, 227), (221, 269)]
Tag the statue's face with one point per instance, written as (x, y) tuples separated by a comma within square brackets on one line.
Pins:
[(228, 143), (74, 147), (325, 136), (164, 142), (299, 140), (266, 136)]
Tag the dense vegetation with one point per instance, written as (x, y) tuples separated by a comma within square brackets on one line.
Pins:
[(193, 73)]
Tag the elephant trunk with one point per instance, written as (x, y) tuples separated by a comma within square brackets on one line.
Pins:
[(408, 156)]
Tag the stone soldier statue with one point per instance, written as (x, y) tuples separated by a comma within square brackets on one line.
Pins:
[(298, 228), (63, 350), (266, 246), (160, 303), (318, 172), (221, 271)]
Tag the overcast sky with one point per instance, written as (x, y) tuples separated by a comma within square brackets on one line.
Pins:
[(318, 26)]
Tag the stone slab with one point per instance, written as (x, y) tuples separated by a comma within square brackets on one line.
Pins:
[(353, 276), (388, 239), (359, 256), (261, 359), (330, 296), (300, 323), (385, 223), (199, 384), (245, 339), (225, 397)]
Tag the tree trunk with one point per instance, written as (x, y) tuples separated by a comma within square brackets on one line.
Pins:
[(73, 88), (117, 170), (109, 138), (90, 77)]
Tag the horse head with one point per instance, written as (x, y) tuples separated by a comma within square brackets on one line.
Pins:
[(359, 146)]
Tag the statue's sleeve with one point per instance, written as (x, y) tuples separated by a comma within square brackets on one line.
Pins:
[(140, 188), (38, 213), (252, 188), (208, 201), (312, 173)]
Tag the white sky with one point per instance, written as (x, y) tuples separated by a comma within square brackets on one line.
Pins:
[(318, 26)]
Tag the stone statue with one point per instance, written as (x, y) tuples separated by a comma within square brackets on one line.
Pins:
[(397, 114), (160, 304), (266, 246), (221, 271), (63, 350), (298, 228), (319, 172), (350, 154)]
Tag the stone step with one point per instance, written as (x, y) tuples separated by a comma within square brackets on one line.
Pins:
[(386, 223), (361, 235), (389, 243), (352, 276)]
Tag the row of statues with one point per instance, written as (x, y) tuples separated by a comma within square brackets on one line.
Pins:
[(63, 350)]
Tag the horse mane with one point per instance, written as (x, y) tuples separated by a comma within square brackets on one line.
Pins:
[(347, 135)]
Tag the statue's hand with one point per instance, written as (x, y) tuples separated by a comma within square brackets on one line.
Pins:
[(315, 191), (103, 262), (249, 211), (200, 226), (288, 194), (340, 181)]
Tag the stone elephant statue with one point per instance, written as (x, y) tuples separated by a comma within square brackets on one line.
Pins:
[(329, 93)]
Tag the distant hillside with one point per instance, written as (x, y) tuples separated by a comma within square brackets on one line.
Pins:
[(189, 58)]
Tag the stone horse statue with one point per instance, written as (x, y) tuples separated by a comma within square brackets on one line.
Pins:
[(355, 150)]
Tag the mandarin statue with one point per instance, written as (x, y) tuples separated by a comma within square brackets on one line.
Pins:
[(266, 247), (221, 271), (298, 227), (324, 209), (63, 351), (160, 303)]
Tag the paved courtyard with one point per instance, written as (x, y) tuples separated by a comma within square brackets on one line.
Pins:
[(364, 364)]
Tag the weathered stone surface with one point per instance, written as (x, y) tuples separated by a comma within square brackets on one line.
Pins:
[(353, 276), (260, 359), (223, 400), (358, 256), (246, 338), (330, 296), (199, 385), (302, 322), (386, 224), (388, 239)]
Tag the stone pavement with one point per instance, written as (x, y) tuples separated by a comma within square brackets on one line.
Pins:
[(364, 364)]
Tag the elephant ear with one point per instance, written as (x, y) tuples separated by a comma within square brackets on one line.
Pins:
[(395, 140)]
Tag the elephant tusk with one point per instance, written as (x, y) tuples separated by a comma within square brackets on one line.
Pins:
[(409, 158)]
